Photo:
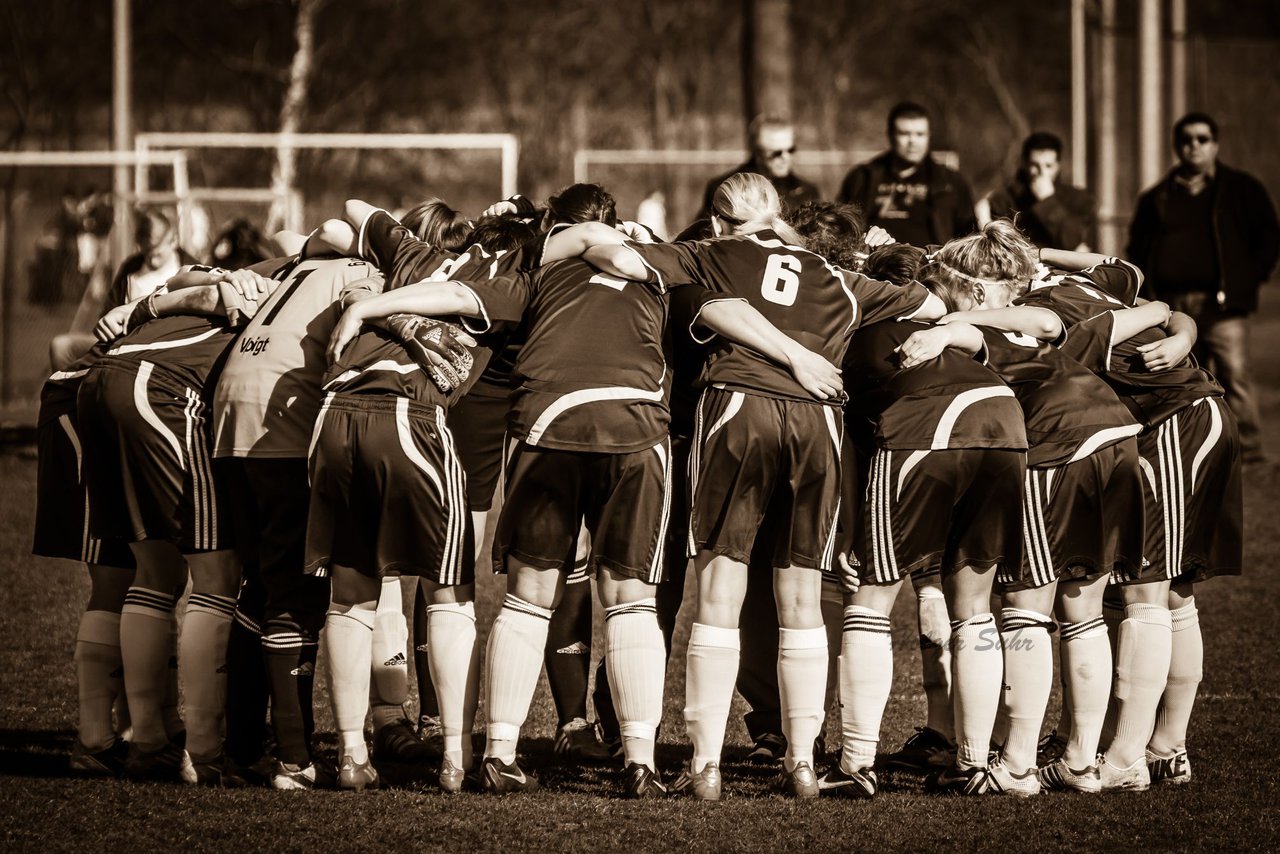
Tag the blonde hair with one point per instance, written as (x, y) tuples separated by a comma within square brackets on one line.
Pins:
[(998, 254), (749, 203)]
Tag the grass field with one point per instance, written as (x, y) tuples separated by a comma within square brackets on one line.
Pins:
[(1230, 805)]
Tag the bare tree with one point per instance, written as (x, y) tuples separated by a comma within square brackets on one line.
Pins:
[(767, 54), (284, 172)]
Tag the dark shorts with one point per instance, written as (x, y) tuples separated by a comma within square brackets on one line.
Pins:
[(388, 495), (479, 425), (762, 464), (62, 501), (623, 499), (147, 459), (1085, 519), (942, 510), (1195, 503)]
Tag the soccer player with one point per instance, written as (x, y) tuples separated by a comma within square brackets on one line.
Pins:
[(765, 454)]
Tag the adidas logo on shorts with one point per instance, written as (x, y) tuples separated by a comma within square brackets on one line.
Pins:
[(397, 660)]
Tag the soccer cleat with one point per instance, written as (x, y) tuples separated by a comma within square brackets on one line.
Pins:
[(499, 778), (1135, 778), (1051, 747), (927, 750), (452, 779), (431, 734), (108, 762), (576, 743), (216, 772), (862, 783), (954, 780), (356, 776), (704, 785), (397, 742), (769, 750), (1057, 777), (1173, 770), (640, 782), (169, 764), (294, 778), (799, 782), (1007, 782)]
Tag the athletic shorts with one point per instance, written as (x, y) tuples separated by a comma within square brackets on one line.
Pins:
[(62, 501), (388, 495), (147, 459), (1084, 519), (943, 510), (762, 464), (624, 500), (1195, 503), (479, 425)]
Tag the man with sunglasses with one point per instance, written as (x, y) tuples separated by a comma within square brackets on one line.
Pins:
[(1206, 236), (773, 153)]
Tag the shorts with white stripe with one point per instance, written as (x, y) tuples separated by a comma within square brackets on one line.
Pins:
[(147, 458), (1195, 505), (388, 495), (1084, 519), (764, 466), (942, 510), (62, 502), (624, 501)]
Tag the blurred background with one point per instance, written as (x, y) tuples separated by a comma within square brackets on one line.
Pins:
[(650, 98)]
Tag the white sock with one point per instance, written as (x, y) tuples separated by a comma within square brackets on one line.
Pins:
[(1028, 681), (513, 660), (866, 677), (935, 660), (98, 674), (1112, 616), (389, 686), (348, 639), (202, 667), (711, 671), (636, 661), (145, 651), (454, 659), (1142, 669), (1086, 676), (976, 674), (802, 687), (1186, 665)]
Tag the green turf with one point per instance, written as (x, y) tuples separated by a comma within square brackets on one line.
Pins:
[(1230, 805)]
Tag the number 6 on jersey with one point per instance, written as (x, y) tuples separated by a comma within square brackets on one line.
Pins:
[(781, 282)]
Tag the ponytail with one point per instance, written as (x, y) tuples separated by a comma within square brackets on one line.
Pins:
[(749, 203)]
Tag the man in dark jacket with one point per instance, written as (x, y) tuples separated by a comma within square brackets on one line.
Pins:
[(773, 149), (907, 193), (1206, 236), (1053, 215)]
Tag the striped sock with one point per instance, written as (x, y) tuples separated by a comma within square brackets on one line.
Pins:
[(1186, 669), (145, 652), (291, 667), (202, 667), (98, 674), (866, 677), (1086, 678), (636, 657), (513, 660)]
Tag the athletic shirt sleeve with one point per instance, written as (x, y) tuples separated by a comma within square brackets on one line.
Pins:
[(502, 300), (1089, 342), (877, 300), (669, 264), (398, 253), (1116, 278)]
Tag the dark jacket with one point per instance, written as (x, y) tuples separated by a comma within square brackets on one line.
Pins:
[(792, 191), (1245, 232), (1063, 221), (950, 199)]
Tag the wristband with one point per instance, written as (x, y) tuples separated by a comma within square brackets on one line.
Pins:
[(142, 312)]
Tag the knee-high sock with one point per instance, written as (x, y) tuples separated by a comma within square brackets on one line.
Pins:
[(866, 677), (248, 692), (710, 672), (290, 653), (1142, 669), (170, 711), (389, 685), (145, 650), (976, 672), (202, 662), (348, 642), (935, 659), (1086, 676), (802, 687), (455, 671), (1028, 681), (1186, 665), (513, 661), (637, 663), (427, 704), (1112, 616), (98, 675), (568, 654)]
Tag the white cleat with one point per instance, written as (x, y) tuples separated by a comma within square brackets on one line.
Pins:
[(1174, 769), (1134, 778), (1024, 785), (1057, 776)]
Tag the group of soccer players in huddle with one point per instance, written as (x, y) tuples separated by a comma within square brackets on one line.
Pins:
[(799, 411)]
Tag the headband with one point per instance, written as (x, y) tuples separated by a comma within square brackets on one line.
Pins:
[(972, 279)]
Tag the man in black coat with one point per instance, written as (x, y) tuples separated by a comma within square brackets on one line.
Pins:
[(773, 149)]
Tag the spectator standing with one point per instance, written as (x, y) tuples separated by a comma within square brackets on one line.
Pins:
[(773, 149), (1053, 215), (905, 192), (1206, 236)]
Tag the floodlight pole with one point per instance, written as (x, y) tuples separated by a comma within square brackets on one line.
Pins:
[(122, 127)]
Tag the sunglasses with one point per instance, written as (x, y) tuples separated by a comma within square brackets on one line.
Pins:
[(1188, 139), (773, 153)]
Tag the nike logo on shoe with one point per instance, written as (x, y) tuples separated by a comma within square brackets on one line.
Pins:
[(518, 776)]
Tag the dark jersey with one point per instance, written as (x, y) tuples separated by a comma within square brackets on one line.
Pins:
[(58, 395), (806, 298), (591, 370), (1069, 412), (376, 363), (398, 253), (950, 402), (1089, 294)]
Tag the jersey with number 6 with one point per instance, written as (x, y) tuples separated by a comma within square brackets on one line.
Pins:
[(808, 299)]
